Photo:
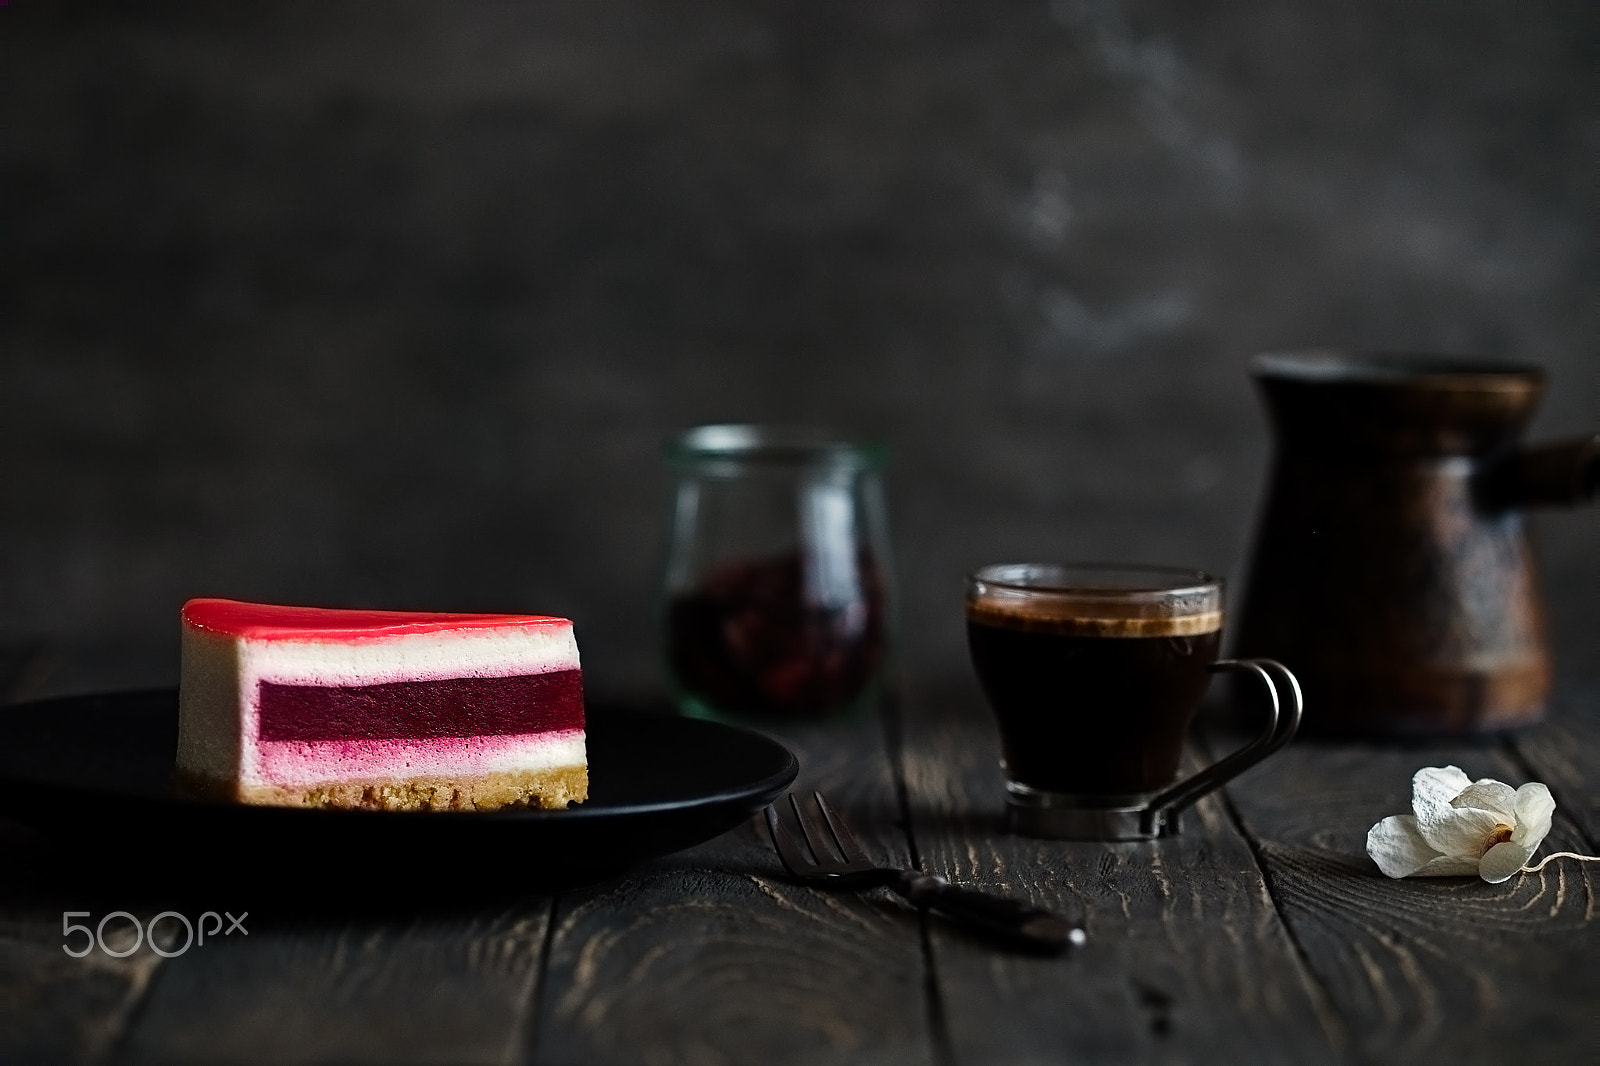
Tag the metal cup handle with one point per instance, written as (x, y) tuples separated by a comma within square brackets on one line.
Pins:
[(1160, 815)]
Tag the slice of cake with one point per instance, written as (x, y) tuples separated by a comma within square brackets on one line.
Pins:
[(306, 706)]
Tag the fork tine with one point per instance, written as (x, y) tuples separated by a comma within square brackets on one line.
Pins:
[(848, 846), (813, 831), (789, 852)]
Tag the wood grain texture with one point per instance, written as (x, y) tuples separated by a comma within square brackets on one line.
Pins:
[(53, 1007), (715, 956), (1423, 969), (431, 988), (1564, 753), (1186, 958)]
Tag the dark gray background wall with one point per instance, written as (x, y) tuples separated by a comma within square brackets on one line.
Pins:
[(392, 304)]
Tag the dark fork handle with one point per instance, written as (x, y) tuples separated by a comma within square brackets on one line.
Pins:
[(1006, 919)]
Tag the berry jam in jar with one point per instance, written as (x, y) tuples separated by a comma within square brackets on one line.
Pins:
[(778, 590)]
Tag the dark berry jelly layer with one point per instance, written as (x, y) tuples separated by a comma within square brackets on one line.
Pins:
[(419, 710)]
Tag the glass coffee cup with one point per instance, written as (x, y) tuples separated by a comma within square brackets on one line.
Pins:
[(1093, 673)]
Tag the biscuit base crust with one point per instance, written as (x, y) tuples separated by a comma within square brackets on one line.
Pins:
[(551, 788)]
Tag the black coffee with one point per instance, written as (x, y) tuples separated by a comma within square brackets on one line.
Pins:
[(1090, 708)]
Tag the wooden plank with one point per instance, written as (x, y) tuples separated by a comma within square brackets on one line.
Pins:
[(1564, 753), (1186, 960), (53, 1007), (715, 956), (1432, 969), (433, 987)]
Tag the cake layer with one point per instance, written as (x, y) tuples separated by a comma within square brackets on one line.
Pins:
[(399, 710), (551, 788), (305, 763), (327, 646)]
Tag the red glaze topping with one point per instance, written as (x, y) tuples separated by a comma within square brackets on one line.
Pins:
[(265, 621)]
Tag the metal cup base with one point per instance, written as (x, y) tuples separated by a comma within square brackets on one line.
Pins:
[(1065, 820)]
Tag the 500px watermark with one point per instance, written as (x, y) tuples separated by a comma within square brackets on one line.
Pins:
[(195, 933)]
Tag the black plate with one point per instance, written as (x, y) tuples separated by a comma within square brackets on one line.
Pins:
[(94, 775)]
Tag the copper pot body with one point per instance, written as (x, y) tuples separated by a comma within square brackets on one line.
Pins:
[(1392, 570)]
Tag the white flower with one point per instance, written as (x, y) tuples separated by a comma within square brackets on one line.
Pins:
[(1462, 827)]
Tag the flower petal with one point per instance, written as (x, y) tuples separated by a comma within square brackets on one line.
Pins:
[(1398, 848), (1496, 797), (1503, 860), (1449, 866), (1534, 808), (1463, 831), (1433, 787)]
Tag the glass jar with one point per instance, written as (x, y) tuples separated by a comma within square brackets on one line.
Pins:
[(779, 585)]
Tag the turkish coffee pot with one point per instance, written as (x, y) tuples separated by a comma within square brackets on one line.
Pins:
[(1392, 570)]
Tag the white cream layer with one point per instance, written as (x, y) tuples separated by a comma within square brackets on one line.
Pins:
[(508, 652)]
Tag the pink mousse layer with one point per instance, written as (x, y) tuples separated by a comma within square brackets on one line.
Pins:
[(299, 762), (266, 621)]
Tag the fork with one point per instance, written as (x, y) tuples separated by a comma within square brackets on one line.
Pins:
[(844, 864)]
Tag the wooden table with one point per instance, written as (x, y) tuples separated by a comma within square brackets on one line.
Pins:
[(1262, 934)]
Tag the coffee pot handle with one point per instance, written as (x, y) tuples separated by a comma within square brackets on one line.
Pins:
[(1560, 472), (1286, 703)]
